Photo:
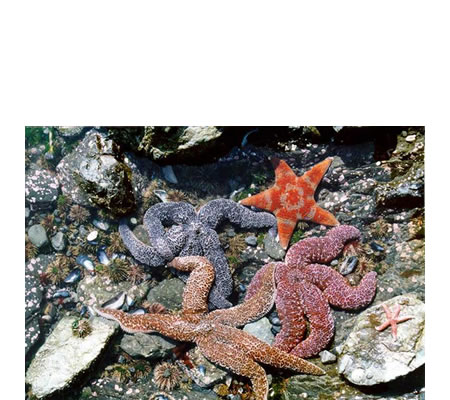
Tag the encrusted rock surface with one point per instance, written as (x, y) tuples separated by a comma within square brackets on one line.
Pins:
[(63, 356), (41, 188), (369, 357), (261, 329)]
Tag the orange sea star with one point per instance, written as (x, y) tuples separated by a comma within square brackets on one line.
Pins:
[(292, 198), (215, 333)]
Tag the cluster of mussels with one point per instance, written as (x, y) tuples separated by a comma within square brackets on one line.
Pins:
[(302, 287)]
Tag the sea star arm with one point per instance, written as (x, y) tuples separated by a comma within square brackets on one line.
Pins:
[(165, 214), (318, 313), (313, 176), (262, 352), (229, 355), (140, 251), (195, 295), (170, 325), (337, 290), (219, 210), (254, 307), (321, 250)]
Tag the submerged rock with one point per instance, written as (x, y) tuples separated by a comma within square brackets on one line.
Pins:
[(369, 357), (63, 356), (152, 345), (58, 241), (204, 373), (169, 293), (273, 248), (261, 329), (38, 236)]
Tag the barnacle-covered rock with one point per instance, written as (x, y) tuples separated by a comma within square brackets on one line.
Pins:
[(41, 188), (148, 345)]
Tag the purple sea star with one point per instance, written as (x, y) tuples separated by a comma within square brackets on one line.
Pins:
[(215, 333), (305, 287), (193, 233)]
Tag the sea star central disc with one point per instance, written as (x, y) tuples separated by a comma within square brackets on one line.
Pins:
[(292, 198)]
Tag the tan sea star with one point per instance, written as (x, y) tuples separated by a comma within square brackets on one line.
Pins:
[(215, 333), (392, 319)]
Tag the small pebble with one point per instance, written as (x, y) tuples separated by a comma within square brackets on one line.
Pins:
[(326, 357), (133, 221), (92, 236), (251, 240), (410, 138)]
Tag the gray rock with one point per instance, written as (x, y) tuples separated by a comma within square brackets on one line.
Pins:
[(204, 373), (150, 345), (261, 329), (251, 240), (180, 145), (70, 132), (370, 357), (96, 290), (27, 212), (326, 357), (107, 182), (58, 241), (93, 173), (273, 248), (41, 188), (33, 299), (63, 356), (169, 175), (169, 293), (38, 236)]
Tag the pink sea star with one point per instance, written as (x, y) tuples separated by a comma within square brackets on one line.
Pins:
[(306, 288), (392, 319), (215, 333)]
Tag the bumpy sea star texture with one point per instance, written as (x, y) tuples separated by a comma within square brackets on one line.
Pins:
[(215, 333), (291, 198), (306, 288), (193, 233)]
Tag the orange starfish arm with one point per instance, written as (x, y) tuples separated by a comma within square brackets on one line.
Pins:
[(323, 217), (263, 200), (282, 170), (198, 285), (313, 176)]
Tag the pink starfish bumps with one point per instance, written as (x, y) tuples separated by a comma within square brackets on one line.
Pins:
[(392, 319), (306, 288)]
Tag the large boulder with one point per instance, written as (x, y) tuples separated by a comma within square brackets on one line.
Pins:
[(369, 357), (64, 356), (95, 173)]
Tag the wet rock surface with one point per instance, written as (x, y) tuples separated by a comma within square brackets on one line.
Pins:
[(38, 236), (63, 356), (369, 357), (169, 293), (151, 346)]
